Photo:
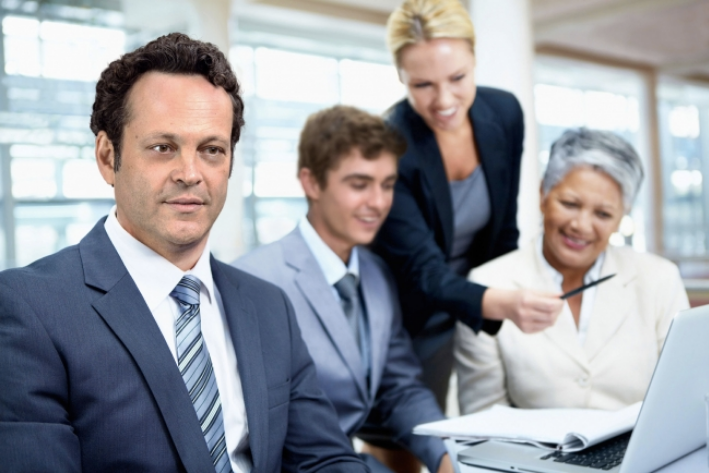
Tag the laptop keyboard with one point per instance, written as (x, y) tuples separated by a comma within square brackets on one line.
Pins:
[(604, 456)]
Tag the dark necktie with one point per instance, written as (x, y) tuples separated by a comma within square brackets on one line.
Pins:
[(349, 300), (197, 371)]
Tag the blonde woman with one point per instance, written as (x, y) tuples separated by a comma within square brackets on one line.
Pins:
[(455, 202)]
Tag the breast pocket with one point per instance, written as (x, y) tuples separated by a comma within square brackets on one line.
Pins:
[(279, 395)]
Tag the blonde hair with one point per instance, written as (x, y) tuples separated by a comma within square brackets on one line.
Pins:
[(422, 20)]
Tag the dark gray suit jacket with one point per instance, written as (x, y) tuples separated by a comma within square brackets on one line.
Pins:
[(87, 382), (395, 391)]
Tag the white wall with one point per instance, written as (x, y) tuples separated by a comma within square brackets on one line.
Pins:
[(505, 55)]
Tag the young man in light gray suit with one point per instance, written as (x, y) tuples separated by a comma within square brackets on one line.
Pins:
[(344, 297)]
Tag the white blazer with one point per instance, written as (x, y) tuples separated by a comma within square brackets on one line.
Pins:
[(612, 369)]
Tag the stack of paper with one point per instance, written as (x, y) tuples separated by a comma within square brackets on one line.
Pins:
[(566, 429)]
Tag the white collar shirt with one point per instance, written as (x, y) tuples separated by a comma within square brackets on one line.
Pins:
[(331, 265), (155, 278), (589, 295)]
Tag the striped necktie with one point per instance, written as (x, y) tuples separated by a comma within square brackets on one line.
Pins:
[(197, 371)]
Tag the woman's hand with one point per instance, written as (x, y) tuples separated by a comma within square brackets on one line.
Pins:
[(530, 310), (446, 465)]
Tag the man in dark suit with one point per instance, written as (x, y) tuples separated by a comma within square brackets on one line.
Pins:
[(136, 350), (344, 297)]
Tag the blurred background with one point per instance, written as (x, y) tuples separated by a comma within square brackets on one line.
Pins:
[(639, 68)]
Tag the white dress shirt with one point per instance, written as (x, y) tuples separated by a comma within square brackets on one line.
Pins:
[(332, 266), (156, 277), (588, 295)]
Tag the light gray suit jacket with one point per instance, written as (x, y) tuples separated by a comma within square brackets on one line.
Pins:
[(395, 391)]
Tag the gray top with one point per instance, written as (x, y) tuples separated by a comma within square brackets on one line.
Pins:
[(471, 212)]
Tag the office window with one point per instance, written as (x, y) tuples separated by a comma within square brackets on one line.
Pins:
[(572, 94), (295, 77), (5, 208), (281, 88), (369, 85), (684, 141), (3, 262), (43, 228), (51, 193), (58, 49)]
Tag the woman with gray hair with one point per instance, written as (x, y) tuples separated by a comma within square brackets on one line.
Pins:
[(602, 350)]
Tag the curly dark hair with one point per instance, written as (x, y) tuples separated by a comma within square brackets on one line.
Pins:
[(175, 53), (331, 134)]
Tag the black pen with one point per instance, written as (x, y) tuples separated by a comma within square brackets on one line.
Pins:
[(583, 288)]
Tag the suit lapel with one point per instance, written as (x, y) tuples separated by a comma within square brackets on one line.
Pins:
[(563, 333), (311, 282), (378, 314), (123, 309), (492, 149), (611, 305), (245, 334), (430, 160)]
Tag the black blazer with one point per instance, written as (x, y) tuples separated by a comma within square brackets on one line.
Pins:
[(416, 238)]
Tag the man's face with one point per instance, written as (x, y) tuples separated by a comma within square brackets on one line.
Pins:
[(175, 158), (352, 206)]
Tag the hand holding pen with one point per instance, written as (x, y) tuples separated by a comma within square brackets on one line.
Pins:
[(530, 310)]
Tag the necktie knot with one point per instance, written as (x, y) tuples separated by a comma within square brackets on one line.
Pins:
[(349, 301), (187, 290), (347, 287)]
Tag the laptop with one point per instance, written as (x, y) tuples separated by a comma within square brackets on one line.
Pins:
[(671, 423)]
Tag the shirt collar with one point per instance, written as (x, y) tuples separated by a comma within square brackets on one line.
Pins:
[(154, 275), (332, 266), (591, 275)]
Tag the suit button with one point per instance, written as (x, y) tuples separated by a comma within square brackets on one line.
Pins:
[(582, 381)]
